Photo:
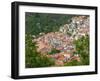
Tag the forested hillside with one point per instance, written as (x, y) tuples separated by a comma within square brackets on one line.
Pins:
[(43, 22), (56, 40)]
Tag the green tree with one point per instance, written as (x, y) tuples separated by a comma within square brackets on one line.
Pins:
[(54, 51), (82, 48), (34, 58), (43, 22)]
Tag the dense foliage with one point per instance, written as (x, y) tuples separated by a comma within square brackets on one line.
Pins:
[(54, 51), (38, 22), (34, 58), (82, 48)]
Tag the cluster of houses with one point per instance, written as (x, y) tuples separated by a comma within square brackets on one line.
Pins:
[(78, 27), (61, 41)]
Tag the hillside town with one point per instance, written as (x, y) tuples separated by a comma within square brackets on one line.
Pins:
[(62, 41)]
